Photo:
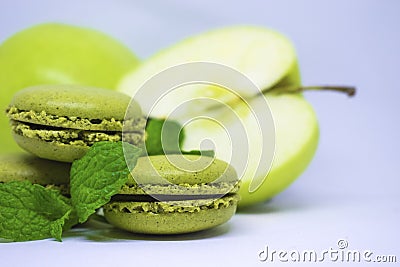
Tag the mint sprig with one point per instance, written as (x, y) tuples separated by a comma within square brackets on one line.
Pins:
[(99, 175), (31, 212)]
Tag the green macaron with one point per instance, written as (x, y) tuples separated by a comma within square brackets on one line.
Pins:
[(61, 122), (26, 167), (175, 194)]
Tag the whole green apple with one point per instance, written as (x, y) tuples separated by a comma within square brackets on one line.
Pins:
[(55, 53), (269, 60)]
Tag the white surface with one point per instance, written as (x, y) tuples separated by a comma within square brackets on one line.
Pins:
[(350, 191)]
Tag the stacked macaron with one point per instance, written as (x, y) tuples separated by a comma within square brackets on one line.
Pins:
[(175, 194), (61, 122)]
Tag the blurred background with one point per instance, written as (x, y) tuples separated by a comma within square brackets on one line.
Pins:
[(351, 189)]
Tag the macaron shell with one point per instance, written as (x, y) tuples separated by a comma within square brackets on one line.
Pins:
[(75, 101), (169, 219), (51, 150), (25, 167), (181, 169)]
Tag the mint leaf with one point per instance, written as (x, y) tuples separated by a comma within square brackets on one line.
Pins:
[(163, 135), (31, 212), (99, 175)]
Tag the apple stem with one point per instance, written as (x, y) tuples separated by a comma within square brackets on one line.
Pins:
[(349, 90)]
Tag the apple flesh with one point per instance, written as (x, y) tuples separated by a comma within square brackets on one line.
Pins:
[(58, 54), (267, 57), (269, 60)]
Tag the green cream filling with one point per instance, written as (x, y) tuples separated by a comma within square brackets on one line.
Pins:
[(186, 206), (43, 118), (180, 189), (71, 136)]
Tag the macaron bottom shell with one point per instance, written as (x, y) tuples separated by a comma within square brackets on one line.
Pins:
[(161, 218), (67, 151), (50, 150)]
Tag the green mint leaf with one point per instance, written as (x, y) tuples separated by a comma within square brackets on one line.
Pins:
[(32, 212), (99, 175), (163, 135)]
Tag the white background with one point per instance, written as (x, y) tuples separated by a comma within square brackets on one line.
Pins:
[(351, 189)]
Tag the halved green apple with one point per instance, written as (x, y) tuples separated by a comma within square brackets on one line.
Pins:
[(269, 60)]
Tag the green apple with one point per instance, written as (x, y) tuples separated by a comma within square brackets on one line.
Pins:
[(54, 53), (269, 60)]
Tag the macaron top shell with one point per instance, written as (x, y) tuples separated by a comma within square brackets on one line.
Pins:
[(66, 105), (181, 169)]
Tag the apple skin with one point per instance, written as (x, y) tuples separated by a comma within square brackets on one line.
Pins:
[(55, 53)]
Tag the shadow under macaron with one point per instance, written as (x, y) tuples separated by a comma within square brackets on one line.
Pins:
[(98, 231)]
